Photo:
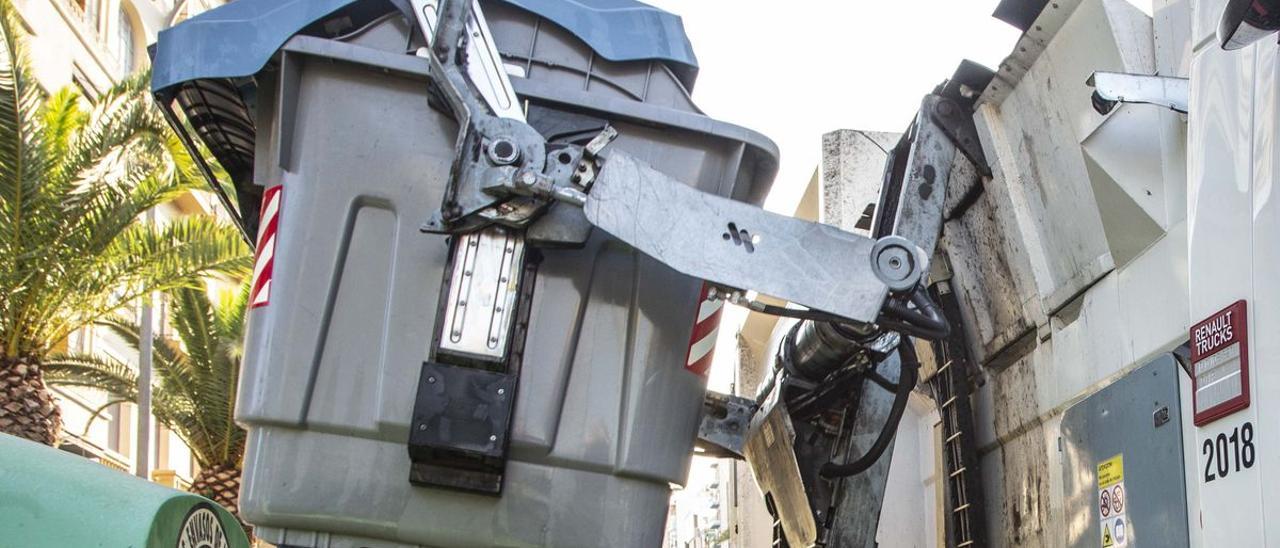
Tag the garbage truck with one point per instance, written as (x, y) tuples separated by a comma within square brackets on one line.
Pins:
[(494, 239)]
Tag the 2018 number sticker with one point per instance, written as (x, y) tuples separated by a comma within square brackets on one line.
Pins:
[(1226, 454)]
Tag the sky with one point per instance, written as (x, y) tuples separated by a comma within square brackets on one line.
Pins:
[(797, 69)]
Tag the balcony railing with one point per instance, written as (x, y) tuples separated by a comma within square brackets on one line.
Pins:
[(74, 443)]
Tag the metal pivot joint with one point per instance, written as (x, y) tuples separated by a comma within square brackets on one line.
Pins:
[(897, 262)]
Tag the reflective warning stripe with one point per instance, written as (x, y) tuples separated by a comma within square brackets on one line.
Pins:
[(268, 224), (702, 342)]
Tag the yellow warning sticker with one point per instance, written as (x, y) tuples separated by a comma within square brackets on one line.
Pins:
[(1111, 471), (1107, 542)]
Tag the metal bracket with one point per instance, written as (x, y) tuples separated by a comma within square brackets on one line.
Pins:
[(722, 432), (461, 419), (957, 123), (1112, 88)]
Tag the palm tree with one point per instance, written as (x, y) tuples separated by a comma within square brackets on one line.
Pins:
[(73, 183), (194, 389)]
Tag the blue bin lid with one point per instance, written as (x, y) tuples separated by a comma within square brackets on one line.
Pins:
[(238, 38)]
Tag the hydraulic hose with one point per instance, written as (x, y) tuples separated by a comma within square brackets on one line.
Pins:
[(907, 378), (925, 321)]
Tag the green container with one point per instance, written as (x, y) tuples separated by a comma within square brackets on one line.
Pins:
[(51, 498)]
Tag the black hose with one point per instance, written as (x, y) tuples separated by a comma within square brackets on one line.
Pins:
[(907, 378), (925, 321), (882, 382), (798, 313)]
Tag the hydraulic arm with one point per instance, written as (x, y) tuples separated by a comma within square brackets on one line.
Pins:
[(558, 200), (845, 364)]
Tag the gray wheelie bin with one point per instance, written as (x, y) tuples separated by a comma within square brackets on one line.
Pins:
[(321, 115)]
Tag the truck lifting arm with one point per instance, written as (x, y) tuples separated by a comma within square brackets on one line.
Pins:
[(844, 369), (839, 275), (862, 294)]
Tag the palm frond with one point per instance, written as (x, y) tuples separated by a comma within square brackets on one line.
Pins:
[(141, 260), (122, 115), (61, 117), (91, 371), (193, 392)]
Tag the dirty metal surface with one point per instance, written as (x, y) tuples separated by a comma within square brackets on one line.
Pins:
[(722, 431), (1020, 504), (859, 497), (982, 258)]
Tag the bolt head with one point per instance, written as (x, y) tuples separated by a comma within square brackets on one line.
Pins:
[(502, 391), (431, 380), (526, 179), (493, 437)]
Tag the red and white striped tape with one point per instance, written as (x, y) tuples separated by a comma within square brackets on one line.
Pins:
[(268, 224), (702, 343)]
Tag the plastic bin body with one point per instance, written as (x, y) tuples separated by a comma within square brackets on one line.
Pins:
[(606, 413)]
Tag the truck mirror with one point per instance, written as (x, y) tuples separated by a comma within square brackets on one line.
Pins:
[(1247, 21)]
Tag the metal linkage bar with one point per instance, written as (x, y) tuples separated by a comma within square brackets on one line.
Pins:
[(735, 244)]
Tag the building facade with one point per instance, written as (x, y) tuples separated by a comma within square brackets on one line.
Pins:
[(92, 44)]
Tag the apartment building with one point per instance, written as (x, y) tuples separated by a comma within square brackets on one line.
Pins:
[(90, 44)]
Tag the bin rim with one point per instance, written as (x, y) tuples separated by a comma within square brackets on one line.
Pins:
[(239, 38)]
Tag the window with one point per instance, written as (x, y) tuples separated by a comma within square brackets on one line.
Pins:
[(88, 11), (125, 42), (88, 91)]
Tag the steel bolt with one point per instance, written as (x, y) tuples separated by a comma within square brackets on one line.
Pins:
[(526, 179), (422, 427), (493, 437), (431, 380), (502, 391)]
